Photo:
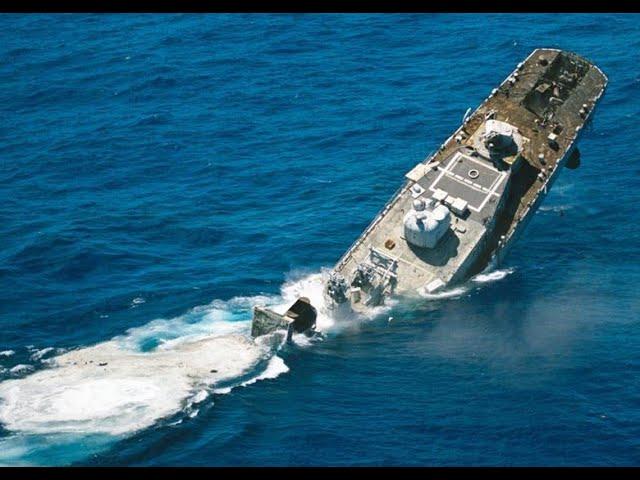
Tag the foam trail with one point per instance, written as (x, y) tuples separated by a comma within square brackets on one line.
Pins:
[(447, 293), (488, 275), (21, 368), (107, 389), (128, 383), (157, 371), (492, 276), (555, 208), (40, 354), (274, 369)]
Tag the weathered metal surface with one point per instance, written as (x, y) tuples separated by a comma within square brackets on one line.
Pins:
[(267, 321), (300, 318), (491, 186)]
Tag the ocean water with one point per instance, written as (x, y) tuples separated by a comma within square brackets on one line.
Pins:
[(162, 174)]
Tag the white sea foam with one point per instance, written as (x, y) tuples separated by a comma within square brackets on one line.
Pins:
[(7, 353), (446, 293), (222, 391), (137, 301), (165, 367), (488, 275), (274, 369), (38, 354), (555, 208), (151, 372), (201, 396), (109, 389), (21, 368), (492, 276)]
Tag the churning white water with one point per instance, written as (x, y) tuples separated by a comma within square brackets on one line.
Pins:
[(119, 386)]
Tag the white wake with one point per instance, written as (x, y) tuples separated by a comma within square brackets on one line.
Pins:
[(166, 367), (152, 372), (488, 275)]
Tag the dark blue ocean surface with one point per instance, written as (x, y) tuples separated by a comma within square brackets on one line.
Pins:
[(162, 174)]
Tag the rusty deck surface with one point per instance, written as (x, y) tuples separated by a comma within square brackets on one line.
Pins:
[(550, 93)]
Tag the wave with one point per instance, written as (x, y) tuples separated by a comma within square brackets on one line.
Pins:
[(446, 293), (21, 368), (555, 208), (488, 275), (107, 389), (164, 369), (492, 276), (117, 388), (151, 372), (38, 355)]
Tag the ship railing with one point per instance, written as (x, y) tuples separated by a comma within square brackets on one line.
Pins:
[(385, 209), (430, 157), (396, 195), (574, 140)]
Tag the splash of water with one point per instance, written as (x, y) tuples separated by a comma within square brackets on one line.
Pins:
[(155, 371), (492, 276), (109, 389), (488, 275), (162, 369)]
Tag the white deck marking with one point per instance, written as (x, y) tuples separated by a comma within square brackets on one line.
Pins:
[(497, 180), (493, 189), (489, 192), (445, 170)]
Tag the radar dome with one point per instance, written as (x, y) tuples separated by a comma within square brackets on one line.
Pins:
[(425, 225)]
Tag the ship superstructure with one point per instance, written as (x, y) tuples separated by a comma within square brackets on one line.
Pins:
[(465, 204)]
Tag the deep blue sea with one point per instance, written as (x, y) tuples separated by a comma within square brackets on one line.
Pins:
[(162, 174)]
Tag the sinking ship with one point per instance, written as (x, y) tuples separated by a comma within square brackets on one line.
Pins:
[(465, 205)]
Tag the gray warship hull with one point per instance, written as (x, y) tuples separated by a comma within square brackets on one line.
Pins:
[(464, 205)]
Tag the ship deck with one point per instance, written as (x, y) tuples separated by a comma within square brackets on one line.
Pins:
[(476, 181), (457, 170)]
